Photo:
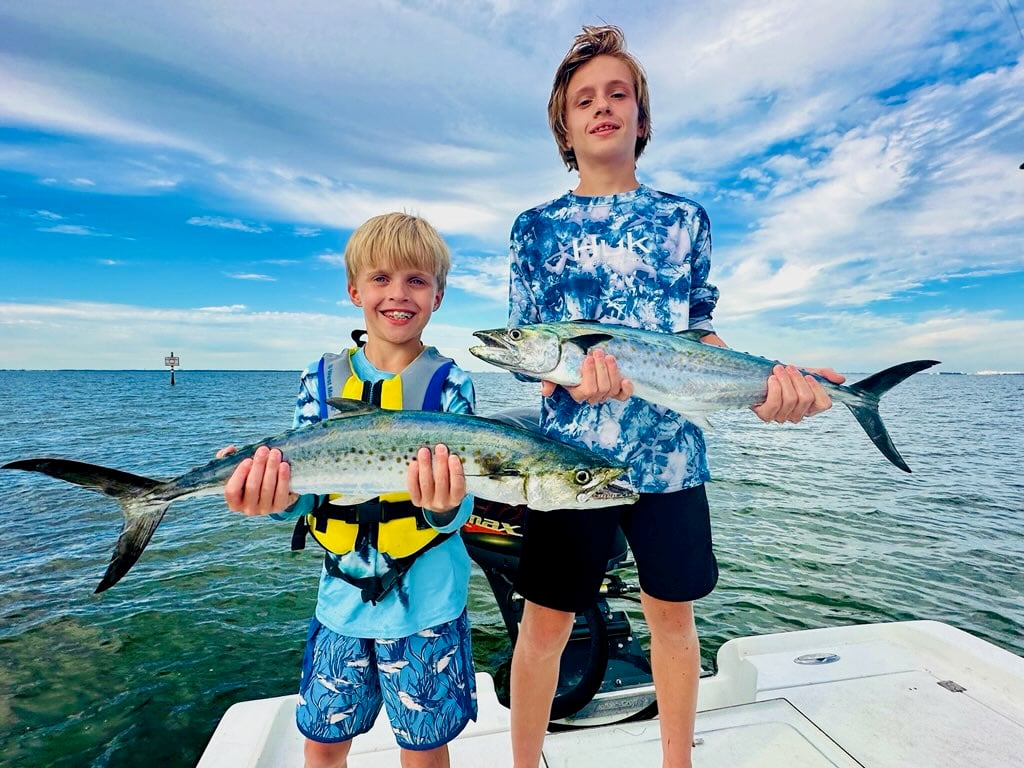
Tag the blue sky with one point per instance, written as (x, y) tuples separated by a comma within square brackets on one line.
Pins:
[(183, 176)]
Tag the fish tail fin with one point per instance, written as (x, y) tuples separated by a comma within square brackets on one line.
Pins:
[(141, 515), (865, 408)]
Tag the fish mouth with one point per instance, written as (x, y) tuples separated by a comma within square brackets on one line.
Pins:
[(613, 491), (496, 349)]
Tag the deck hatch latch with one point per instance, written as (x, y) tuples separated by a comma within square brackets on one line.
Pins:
[(817, 658)]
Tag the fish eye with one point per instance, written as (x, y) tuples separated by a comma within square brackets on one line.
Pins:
[(582, 476), (515, 334)]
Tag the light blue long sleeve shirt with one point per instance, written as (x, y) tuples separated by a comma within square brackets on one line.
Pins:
[(435, 589)]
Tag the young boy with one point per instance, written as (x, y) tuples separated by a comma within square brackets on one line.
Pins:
[(390, 623), (616, 251)]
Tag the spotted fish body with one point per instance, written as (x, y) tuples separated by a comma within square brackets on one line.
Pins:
[(677, 371), (359, 455)]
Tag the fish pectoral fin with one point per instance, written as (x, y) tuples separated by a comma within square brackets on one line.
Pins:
[(699, 419), (693, 334), (587, 340), (349, 407)]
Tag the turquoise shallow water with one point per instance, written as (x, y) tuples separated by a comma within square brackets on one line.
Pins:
[(812, 528)]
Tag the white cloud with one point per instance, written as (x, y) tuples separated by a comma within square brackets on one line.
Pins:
[(251, 276), (857, 151), (234, 337), (219, 222), (73, 229), (894, 204)]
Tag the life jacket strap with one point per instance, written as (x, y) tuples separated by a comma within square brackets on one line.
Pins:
[(372, 511), (374, 588)]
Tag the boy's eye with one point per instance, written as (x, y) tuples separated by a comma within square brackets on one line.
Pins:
[(583, 102)]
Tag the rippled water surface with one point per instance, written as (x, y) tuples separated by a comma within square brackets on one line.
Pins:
[(813, 527)]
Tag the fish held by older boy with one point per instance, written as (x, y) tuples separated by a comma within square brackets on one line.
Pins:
[(677, 371)]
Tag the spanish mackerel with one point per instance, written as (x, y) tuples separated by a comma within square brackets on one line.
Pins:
[(677, 371), (360, 454)]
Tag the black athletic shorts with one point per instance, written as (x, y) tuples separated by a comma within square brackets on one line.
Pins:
[(566, 552)]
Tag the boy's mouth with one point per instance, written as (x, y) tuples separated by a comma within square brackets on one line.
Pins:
[(605, 127), (397, 314)]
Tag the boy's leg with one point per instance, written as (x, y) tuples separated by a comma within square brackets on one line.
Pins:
[(429, 758), (675, 660), (543, 634), (321, 755), (565, 553), (670, 537)]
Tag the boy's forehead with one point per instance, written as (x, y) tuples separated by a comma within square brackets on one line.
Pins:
[(601, 70), (396, 267)]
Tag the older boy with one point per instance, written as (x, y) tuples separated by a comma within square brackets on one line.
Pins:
[(390, 624), (617, 251)]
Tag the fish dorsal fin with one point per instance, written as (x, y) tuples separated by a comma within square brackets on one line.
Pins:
[(349, 407), (693, 334), (587, 340)]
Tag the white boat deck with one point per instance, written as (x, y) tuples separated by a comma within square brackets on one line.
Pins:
[(901, 695)]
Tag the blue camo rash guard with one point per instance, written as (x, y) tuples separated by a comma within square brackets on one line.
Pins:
[(435, 589), (639, 259)]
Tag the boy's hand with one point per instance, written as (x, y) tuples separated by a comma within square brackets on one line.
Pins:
[(436, 482), (793, 395), (601, 381), (259, 485)]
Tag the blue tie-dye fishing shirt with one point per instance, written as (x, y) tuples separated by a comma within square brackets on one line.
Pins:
[(639, 259)]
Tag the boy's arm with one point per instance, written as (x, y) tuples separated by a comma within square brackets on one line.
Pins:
[(522, 290)]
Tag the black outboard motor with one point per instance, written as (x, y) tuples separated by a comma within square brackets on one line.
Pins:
[(605, 677)]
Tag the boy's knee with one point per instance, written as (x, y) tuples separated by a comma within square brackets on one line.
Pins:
[(428, 758), (667, 617), (544, 631), (326, 755)]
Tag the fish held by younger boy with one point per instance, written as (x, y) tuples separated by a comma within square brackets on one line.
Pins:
[(360, 454), (677, 371)]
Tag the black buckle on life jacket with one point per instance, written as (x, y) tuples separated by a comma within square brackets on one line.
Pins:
[(372, 589)]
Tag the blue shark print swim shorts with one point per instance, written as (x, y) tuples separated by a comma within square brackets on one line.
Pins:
[(425, 681)]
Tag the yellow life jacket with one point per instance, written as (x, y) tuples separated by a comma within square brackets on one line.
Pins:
[(390, 524)]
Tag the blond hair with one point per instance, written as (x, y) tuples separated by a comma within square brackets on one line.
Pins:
[(606, 40), (397, 241)]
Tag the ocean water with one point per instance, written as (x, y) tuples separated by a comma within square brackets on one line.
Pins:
[(813, 528)]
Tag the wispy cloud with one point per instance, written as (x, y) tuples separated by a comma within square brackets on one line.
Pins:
[(219, 222), (251, 276), (73, 229), (334, 258)]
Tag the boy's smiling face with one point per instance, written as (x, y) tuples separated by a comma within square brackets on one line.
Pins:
[(601, 113), (397, 303)]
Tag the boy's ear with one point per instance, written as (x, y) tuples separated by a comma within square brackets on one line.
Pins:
[(437, 300), (353, 293)]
